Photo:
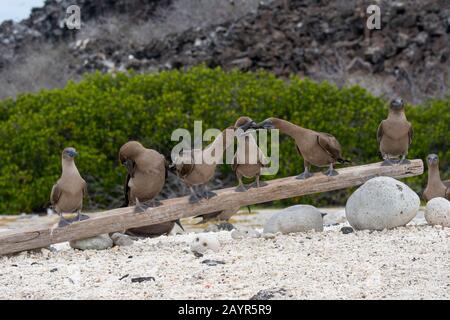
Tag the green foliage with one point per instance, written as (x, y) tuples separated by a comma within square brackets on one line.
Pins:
[(99, 114)]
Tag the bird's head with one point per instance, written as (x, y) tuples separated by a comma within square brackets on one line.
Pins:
[(397, 104), (130, 150), (244, 123), (69, 153), (432, 159)]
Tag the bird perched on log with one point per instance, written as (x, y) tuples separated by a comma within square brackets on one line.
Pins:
[(68, 192), (146, 175), (249, 159), (196, 167), (395, 134), (241, 169), (317, 148), (435, 186)]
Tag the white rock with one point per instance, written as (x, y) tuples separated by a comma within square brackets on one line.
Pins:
[(203, 242), (381, 203), (244, 232), (100, 242), (437, 212), (299, 218)]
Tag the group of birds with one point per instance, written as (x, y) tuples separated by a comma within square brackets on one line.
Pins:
[(147, 168)]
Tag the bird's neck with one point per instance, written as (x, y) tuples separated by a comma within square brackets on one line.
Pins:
[(287, 127), (433, 173), (69, 167), (221, 142), (397, 115)]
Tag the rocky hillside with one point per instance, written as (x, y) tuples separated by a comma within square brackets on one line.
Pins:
[(321, 39)]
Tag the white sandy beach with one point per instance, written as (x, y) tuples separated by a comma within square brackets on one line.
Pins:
[(411, 262)]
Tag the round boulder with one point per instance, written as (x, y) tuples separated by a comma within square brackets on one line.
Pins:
[(437, 212), (381, 203), (299, 218), (100, 242)]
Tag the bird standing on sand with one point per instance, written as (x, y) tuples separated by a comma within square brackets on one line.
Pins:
[(249, 159), (395, 134), (317, 148), (144, 181), (68, 192), (435, 186)]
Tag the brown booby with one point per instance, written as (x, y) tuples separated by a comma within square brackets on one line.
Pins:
[(68, 192), (197, 175), (243, 165), (317, 148), (435, 186), (144, 181), (395, 134)]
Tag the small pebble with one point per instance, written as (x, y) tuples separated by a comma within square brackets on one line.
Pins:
[(142, 279), (212, 263), (123, 277), (346, 230)]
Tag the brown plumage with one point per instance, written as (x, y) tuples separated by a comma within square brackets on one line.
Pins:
[(395, 134), (435, 186), (68, 192), (199, 174), (145, 180), (249, 159), (240, 169), (317, 148)]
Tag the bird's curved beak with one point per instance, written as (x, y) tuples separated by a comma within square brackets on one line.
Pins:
[(266, 124), (129, 165), (248, 125), (244, 129), (73, 153)]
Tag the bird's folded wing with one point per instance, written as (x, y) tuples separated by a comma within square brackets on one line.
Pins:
[(380, 132), (410, 134), (329, 144), (55, 195), (185, 169)]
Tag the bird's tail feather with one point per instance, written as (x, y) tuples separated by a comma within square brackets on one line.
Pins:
[(344, 161)]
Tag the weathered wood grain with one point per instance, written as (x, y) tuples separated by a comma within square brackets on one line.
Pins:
[(172, 209)]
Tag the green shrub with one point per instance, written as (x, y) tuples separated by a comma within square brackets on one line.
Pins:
[(100, 113)]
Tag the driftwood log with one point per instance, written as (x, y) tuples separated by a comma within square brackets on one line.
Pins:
[(172, 209)]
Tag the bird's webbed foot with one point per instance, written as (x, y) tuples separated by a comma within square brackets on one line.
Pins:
[(207, 194), (240, 188), (81, 217), (404, 161), (331, 172), (387, 162), (305, 175), (63, 222)]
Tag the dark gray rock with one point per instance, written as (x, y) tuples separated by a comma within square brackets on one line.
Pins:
[(346, 230), (270, 294)]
